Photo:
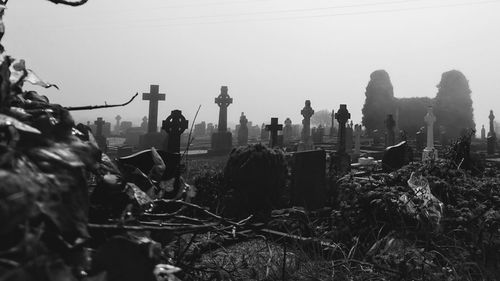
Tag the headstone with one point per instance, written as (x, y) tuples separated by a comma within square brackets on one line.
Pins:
[(349, 132), (99, 137), (483, 133), (273, 128), (154, 96), (420, 139), (332, 128), (340, 160), (287, 131), (118, 118), (308, 179), (357, 139), (390, 135), (243, 130), (492, 137), (307, 112), (264, 134), (144, 124), (174, 125), (430, 153), (222, 139), (200, 129)]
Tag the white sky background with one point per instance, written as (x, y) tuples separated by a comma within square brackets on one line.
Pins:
[(272, 54)]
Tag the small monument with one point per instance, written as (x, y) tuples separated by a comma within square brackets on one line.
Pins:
[(154, 96), (349, 132), (390, 138), (174, 125), (307, 112), (492, 136), (483, 133), (118, 118), (274, 127), (99, 137), (287, 131), (264, 134), (430, 153), (222, 139), (243, 130), (341, 161), (144, 124)]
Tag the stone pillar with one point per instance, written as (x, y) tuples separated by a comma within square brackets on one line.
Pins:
[(243, 130)]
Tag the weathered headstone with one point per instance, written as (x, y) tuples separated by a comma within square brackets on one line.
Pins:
[(273, 128), (340, 160), (99, 137), (222, 139), (308, 179), (287, 131), (118, 118), (483, 133), (154, 96), (390, 135), (243, 130), (307, 112), (492, 137), (357, 139), (174, 125), (430, 153)]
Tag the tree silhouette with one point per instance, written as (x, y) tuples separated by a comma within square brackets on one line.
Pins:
[(453, 104), (322, 117), (412, 112), (379, 101)]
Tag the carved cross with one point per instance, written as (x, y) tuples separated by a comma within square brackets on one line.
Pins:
[(153, 97), (274, 127), (174, 125)]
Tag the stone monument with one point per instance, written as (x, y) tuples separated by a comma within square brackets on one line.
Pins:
[(307, 112), (390, 138), (287, 131), (430, 153), (154, 96), (274, 127), (222, 139), (483, 133), (492, 136), (174, 125), (243, 130), (340, 160)]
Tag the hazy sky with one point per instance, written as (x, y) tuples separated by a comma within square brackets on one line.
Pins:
[(272, 54)]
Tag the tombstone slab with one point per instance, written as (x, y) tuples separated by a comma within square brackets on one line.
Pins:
[(492, 137), (308, 179)]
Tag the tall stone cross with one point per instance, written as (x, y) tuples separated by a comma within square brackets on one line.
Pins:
[(174, 125), (223, 101), (483, 133), (342, 116), (306, 112), (429, 152), (391, 136), (153, 97), (99, 124), (492, 127), (274, 127)]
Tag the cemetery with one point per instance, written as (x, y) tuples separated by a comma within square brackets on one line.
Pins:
[(404, 194)]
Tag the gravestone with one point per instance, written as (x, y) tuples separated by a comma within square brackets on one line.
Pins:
[(154, 96), (390, 135), (264, 134), (396, 156), (273, 128), (420, 139), (332, 128), (349, 132), (357, 139), (341, 161), (118, 118), (308, 179), (430, 153), (144, 124), (174, 125), (222, 139), (243, 130), (99, 137), (483, 133), (287, 131), (492, 137), (307, 112)]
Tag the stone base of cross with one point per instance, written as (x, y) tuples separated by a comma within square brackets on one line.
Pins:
[(429, 154)]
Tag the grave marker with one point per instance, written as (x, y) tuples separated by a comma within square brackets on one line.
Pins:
[(341, 161), (154, 96), (174, 125), (492, 137), (274, 127), (287, 131), (430, 153), (357, 139), (306, 112), (483, 133), (308, 179), (222, 139)]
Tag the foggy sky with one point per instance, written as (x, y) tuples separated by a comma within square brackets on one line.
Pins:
[(272, 54)]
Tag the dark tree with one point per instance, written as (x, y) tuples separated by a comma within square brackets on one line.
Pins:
[(453, 104), (322, 117), (412, 112), (379, 101)]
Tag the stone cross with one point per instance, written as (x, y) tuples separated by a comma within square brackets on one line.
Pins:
[(342, 116), (390, 124), (306, 112), (274, 127), (174, 125), (483, 133), (333, 122), (118, 118), (492, 127), (429, 152), (99, 123), (153, 97), (287, 131), (223, 101), (492, 137), (243, 130), (357, 139)]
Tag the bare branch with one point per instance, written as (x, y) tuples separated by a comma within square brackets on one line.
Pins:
[(69, 3)]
